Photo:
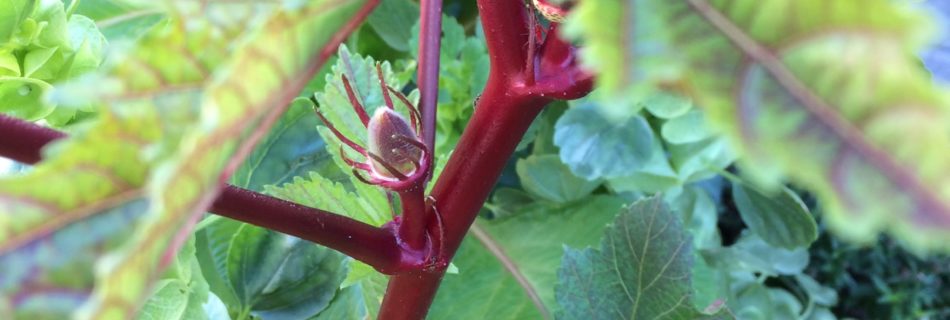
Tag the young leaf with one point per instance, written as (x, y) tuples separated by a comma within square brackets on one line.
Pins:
[(594, 147), (641, 271), (780, 219), (181, 293), (867, 133), (546, 177)]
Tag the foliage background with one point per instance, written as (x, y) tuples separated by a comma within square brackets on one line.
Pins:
[(741, 248)]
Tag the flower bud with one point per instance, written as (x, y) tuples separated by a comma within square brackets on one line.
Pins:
[(388, 135)]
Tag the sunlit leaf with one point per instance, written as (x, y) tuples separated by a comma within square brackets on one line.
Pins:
[(534, 240)]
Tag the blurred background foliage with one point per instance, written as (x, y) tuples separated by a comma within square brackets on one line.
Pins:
[(761, 246)]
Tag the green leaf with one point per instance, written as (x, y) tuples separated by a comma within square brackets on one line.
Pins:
[(181, 293), (320, 193), (594, 147), (546, 177), (700, 216), (367, 204), (535, 237), (393, 21), (818, 293), (531, 242), (667, 106), (641, 271), (780, 219), (346, 305), (654, 175), (12, 14), (751, 253), (274, 276), (292, 148), (687, 128), (868, 137)]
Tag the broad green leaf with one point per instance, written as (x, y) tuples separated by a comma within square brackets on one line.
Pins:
[(595, 147), (642, 269), (867, 134), (181, 292), (534, 240), (508, 202), (780, 219), (272, 275), (393, 21), (188, 180), (546, 177)]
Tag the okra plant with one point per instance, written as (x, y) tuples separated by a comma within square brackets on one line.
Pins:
[(473, 159)]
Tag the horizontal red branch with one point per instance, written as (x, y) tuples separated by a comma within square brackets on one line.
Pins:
[(23, 141)]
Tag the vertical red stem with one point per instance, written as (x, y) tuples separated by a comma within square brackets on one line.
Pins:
[(482, 152), (430, 35)]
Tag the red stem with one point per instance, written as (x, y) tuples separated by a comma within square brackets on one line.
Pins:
[(412, 227), (505, 109), (430, 35), (414, 215), (477, 162), (377, 247)]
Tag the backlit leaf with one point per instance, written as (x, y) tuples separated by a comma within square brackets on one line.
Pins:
[(835, 100)]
